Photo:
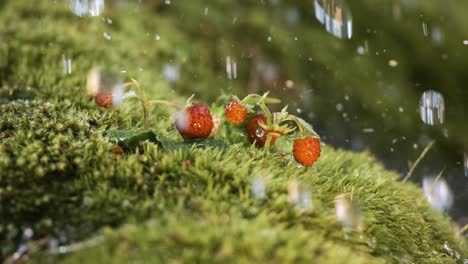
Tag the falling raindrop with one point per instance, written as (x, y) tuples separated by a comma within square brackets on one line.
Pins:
[(107, 36), (368, 130), (258, 187), (437, 35), (67, 65), (432, 107), (171, 72), (339, 107), (335, 16), (348, 212), (157, 37), (231, 68), (392, 63), (259, 133), (300, 195), (438, 193), (465, 42), (87, 7), (292, 16), (424, 29), (96, 7), (105, 87), (269, 39), (168, 2)]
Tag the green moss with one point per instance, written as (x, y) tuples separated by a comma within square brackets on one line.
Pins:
[(60, 177)]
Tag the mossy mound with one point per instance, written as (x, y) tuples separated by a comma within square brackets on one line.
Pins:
[(60, 176)]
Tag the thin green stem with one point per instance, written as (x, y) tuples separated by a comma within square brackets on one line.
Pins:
[(421, 156), (163, 102), (268, 141)]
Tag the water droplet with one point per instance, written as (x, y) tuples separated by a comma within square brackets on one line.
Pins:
[(168, 2), (432, 107), (269, 39), (348, 212), (438, 194), (465, 42), (259, 132), (360, 50), (157, 37), (171, 72), (231, 68), (437, 35), (335, 16), (392, 63), (107, 36), (292, 16), (67, 65), (87, 7), (339, 107), (300, 195), (424, 29), (105, 87), (289, 84), (448, 249), (27, 234), (258, 187)]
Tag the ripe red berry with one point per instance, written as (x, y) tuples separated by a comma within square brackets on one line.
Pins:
[(306, 150), (194, 122), (235, 112), (257, 134)]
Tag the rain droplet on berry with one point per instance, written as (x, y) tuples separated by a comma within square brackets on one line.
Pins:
[(259, 132)]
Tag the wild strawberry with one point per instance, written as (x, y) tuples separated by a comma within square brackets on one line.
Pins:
[(104, 99), (235, 112), (306, 150), (257, 134), (194, 122)]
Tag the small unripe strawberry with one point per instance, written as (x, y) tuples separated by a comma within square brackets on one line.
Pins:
[(235, 112), (306, 150), (257, 134), (194, 122)]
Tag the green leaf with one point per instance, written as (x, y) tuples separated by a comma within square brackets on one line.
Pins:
[(129, 138)]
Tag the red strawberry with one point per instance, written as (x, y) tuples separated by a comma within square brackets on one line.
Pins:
[(104, 99), (235, 112), (194, 122), (306, 150), (257, 134)]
